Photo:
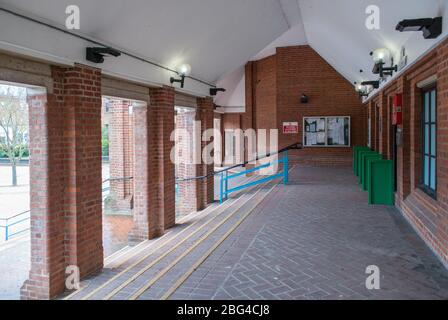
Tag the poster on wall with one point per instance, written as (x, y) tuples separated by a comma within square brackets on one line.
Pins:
[(290, 127)]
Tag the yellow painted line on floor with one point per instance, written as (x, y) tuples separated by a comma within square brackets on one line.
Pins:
[(219, 208), (187, 274), (222, 209), (138, 274), (202, 239), (186, 219)]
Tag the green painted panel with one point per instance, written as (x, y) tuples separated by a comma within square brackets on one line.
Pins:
[(381, 188), (366, 167), (356, 151), (361, 172)]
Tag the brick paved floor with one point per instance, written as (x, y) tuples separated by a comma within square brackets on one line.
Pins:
[(314, 239)]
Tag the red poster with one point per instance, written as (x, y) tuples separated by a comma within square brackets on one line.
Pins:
[(290, 127)]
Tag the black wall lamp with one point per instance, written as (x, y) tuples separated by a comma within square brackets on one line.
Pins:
[(214, 91), (374, 84), (362, 90), (97, 54), (181, 80), (304, 98), (431, 27), (183, 71), (380, 58)]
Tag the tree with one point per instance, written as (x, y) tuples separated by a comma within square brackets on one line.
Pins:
[(13, 125)]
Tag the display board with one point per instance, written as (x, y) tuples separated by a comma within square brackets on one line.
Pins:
[(326, 131)]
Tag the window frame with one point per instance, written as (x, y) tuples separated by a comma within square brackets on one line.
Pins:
[(427, 188)]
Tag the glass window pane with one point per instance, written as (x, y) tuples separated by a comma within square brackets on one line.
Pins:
[(433, 106), (433, 140), (426, 107), (433, 174), (426, 139), (426, 171)]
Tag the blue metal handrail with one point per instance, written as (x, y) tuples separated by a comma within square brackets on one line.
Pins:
[(225, 177), (8, 225), (224, 174)]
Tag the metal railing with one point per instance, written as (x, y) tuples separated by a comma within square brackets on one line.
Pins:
[(106, 188), (225, 177), (14, 221), (10, 222)]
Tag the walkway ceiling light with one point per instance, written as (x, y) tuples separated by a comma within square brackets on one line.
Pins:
[(97, 54), (184, 70), (362, 90), (214, 91), (381, 57), (432, 28)]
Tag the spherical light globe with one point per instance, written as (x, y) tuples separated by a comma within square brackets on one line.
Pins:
[(184, 69), (381, 55)]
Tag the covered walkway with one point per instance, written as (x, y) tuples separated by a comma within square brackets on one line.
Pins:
[(311, 239)]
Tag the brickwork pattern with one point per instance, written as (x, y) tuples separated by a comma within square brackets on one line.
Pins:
[(428, 216), (305, 242), (121, 143), (66, 206)]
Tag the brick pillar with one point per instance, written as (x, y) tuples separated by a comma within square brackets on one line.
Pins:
[(371, 116), (383, 124), (403, 152), (121, 153), (65, 179), (46, 276), (154, 184), (82, 136), (205, 111), (190, 197)]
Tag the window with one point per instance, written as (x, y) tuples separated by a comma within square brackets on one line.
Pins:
[(326, 132), (429, 135)]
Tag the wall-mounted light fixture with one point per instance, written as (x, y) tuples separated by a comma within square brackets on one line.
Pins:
[(374, 84), (184, 71), (381, 57), (304, 98), (362, 90), (214, 91), (97, 54), (431, 27)]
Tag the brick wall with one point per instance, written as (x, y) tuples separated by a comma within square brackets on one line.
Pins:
[(190, 195), (154, 182), (121, 142), (273, 89), (206, 110), (66, 209), (427, 215)]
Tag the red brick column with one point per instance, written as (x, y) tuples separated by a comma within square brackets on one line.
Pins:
[(65, 173), (82, 136), (46, 276), (190, 197), (154, 184), (403, 152), (121, 153), (383, 124), (205, 110)]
